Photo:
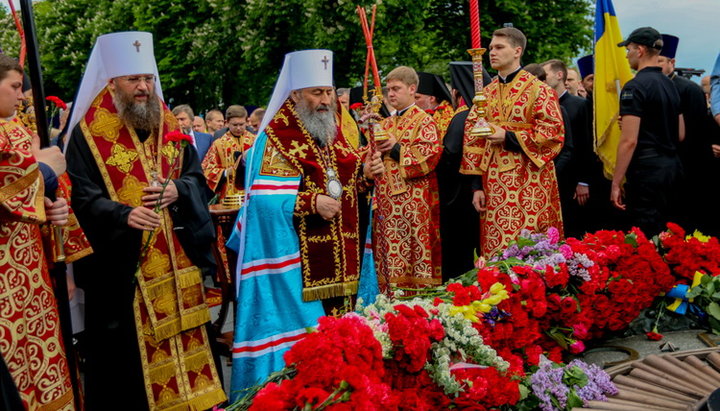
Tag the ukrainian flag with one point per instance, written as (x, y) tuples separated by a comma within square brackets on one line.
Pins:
[(612, 71)]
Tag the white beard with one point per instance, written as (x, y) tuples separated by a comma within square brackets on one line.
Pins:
[(320, 125)]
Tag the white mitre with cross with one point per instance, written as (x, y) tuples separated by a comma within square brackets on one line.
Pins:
[(119, 54), (301, 69)]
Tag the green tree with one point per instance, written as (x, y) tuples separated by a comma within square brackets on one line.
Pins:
[(213, 53)]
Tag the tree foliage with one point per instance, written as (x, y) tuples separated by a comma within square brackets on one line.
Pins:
[(213, 53)]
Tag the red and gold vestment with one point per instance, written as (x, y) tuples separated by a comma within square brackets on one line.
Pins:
[(520, 186), (406, 221), (169, 306), (30, 337), (329, 250), (442, 115), (221, 158)]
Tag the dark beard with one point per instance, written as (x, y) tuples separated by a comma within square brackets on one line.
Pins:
[(144, 116), (320, 125)]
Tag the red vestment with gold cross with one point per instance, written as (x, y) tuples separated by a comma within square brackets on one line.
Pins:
[(520, 186), (406, 222), (168, 305)]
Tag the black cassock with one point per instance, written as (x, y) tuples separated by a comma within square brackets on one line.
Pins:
[(696, 208), (113, 374), (459, 222), (10, 397)]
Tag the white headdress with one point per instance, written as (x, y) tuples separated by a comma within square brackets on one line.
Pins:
[(114, 55), (301, 69)]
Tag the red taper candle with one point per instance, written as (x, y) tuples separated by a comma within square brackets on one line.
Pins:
[(475, 24)]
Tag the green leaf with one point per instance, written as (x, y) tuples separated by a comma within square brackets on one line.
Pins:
[(694, 292), (711, 287), (573, 400), (631, 239), (714, 325), (714, 310), (575, 376), (524, 391)]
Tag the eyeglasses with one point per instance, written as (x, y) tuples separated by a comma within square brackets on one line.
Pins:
[(135, 80)]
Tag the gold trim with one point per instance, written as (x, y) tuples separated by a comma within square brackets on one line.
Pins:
[(76, 256), (18, 186), (59, 403), (331, 290)]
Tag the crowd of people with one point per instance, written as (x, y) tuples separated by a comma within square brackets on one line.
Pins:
[(338, 197)]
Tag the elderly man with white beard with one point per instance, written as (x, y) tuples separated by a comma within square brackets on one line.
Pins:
[(297, 235), (142, 202)]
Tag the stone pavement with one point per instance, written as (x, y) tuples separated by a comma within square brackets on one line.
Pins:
[(602, 355)]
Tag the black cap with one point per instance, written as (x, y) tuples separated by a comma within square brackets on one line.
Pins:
[(586, 66), (433, 85), (646, 36), (356, 95), (670, 45)]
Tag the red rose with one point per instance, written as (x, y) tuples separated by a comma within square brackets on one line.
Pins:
[(356, 106)]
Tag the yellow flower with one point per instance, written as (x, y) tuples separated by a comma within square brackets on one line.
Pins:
[(482, 306), (700, 236), (467, 311), (494, 300), (496, 288)]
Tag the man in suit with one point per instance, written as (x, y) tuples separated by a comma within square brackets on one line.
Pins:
[(185, 117)]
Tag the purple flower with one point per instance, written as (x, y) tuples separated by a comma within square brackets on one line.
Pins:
[(549, 387)]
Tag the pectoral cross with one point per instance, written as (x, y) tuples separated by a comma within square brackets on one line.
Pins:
[(325, 61), (137, 45)]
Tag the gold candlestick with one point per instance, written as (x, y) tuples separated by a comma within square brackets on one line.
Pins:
[(481, 127), (379, 134)]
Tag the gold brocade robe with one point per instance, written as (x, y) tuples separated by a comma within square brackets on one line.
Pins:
[(349, 127), (169, 306), (520, 186), (220, 161), (442, 115), (406, 222), (30, 338)]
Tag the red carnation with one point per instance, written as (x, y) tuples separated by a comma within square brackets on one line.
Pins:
[(654, 336), (177, 137), (356, 106), (57, 101)]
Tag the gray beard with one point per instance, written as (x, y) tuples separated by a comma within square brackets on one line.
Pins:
[(144, 116), (320, 125)]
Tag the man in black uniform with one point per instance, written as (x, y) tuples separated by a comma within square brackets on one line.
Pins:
[(652, 127), (695, 151)]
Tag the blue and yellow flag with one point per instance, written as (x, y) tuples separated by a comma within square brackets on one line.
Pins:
[(612, 71)]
